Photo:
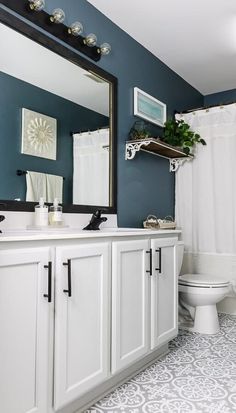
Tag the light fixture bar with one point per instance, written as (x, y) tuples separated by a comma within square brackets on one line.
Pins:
[(30, 10)]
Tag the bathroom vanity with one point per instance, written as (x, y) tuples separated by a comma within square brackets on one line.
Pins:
[(80, 312)]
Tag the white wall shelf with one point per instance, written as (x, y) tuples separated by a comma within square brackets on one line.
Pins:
[(156, 147)]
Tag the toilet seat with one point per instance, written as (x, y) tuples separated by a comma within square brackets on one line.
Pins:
[(202, 280)]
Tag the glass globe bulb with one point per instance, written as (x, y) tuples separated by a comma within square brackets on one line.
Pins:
[(37, 5), (105, 49), (58, 16), (75, 29), (91, 40)]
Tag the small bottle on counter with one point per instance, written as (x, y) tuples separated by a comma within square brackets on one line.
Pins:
[(55, 214), (41, 214)]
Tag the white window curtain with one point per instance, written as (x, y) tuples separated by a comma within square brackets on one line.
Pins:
[(91, 168), (206, 186)]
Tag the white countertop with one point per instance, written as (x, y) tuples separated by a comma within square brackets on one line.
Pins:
[(77, 233)]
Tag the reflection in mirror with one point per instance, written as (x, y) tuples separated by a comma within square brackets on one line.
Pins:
[(54, 126), (91, 168)]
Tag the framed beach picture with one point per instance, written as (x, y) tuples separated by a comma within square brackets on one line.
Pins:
[(149, 108)]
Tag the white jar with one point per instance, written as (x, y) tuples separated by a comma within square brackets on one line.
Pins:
[(41, 214)]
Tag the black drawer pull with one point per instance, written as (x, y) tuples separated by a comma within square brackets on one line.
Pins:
[(49, 294), (68, 263), (150, 252), (159, 253)]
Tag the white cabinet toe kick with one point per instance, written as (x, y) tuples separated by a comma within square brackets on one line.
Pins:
[(79, 316)]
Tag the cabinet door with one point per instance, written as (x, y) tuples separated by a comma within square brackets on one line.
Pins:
[(164, 299), (82, 320), (24, 326), (130, 290)]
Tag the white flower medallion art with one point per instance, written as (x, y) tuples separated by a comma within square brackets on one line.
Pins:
[(39, 135)]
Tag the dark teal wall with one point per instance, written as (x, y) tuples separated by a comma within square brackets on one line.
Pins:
[(15, 95), (225, 97), (145, 184)]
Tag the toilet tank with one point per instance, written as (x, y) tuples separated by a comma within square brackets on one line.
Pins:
[(180, 255)]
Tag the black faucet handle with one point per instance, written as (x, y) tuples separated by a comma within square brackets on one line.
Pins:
[(98, 213)]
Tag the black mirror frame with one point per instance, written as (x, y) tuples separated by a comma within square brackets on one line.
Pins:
[(7, 18)]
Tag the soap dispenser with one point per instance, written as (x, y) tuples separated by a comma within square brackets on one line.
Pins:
[(55, 214), (41, 214)]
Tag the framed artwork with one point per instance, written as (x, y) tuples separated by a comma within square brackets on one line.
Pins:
[(149, 108), (39, 135)]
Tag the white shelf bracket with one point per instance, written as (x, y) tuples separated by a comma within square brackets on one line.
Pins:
[(176, 162), (133, 147)]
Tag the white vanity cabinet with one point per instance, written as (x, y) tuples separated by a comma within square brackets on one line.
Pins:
[(79, 315), (130, 302), (164, 291), (82, 320), (144, 298), (25, 311)]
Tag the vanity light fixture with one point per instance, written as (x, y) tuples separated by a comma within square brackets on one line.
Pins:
[(75, 29), (91, 40), (104, 49), (37, 5), (58, 16), (70, 35)]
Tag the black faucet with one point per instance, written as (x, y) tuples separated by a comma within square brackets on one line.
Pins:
[(95, 221), (1, 219)]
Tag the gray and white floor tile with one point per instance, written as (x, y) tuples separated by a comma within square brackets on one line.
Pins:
[(197, 375)]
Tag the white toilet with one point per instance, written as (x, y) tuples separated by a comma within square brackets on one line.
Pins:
[(200, 293)]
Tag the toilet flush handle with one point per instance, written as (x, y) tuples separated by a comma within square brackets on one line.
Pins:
[(159, 256)]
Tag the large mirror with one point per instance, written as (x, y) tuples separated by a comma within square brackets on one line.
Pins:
[(57, 125)]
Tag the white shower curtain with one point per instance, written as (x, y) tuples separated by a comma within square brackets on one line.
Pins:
[(91, 168), (206, 186)]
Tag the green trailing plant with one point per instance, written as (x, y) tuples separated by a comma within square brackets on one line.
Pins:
[(178, 133)]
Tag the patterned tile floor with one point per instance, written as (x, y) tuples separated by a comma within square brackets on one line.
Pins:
[(198, 375)]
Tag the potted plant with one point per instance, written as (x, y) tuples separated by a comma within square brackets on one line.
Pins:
[(139, 130), (178, 133)]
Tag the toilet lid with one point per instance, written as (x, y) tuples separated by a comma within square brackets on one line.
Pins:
[(204, 280)]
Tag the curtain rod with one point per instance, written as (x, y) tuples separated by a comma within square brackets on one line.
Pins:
[(88, 130), (205, 107)]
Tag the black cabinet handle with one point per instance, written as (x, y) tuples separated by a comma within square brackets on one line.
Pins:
[(150, 252), (68, 263), (159, 269), (49, 294)]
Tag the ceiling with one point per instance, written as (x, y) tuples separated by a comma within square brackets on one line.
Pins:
[(195, 39)]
